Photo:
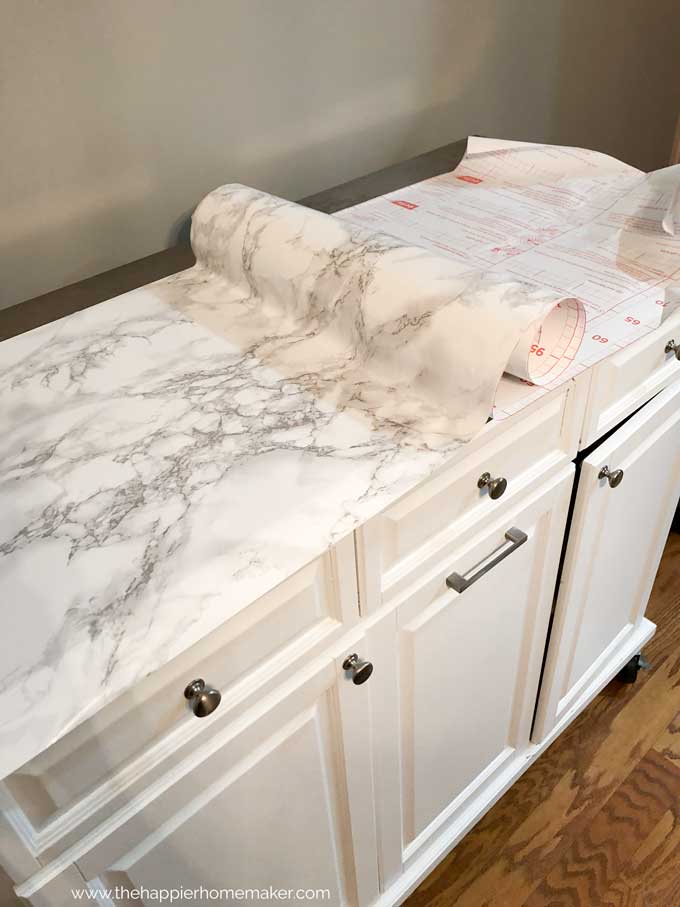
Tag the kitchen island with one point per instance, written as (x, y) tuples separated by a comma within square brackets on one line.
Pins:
[(349, 540)]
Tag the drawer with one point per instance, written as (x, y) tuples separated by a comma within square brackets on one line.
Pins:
[(132, 739), (621, 383), (280, 797), (522, 450)]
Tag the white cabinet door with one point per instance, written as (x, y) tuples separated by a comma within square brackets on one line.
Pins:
[(281, 799), (615, 544), (460, 695)]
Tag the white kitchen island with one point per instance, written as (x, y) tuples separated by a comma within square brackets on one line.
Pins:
[(300, 778)]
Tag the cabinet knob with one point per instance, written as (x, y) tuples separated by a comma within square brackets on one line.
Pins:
[(360, 670), (202, 699), (496, 486), (673, 347), (613, 476)]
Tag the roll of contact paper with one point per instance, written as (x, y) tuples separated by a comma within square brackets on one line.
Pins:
[(549, 347), (598, 233), (402, 328)]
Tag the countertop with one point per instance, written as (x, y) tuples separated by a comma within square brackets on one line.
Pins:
[(107, 567)]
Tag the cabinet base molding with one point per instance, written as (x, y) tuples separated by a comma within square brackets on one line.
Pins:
[(405, 884)]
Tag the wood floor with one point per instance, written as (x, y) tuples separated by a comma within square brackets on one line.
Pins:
[(596, 819)]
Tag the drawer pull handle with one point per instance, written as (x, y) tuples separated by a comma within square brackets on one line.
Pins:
[(496, 486), (673, 347), (359, 670), (613, 476), (460, 583), (202, 699)]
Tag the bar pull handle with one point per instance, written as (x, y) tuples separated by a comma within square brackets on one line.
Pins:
[(460, 583)]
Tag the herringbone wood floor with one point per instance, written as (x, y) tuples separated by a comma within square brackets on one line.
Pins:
[(596, 820)]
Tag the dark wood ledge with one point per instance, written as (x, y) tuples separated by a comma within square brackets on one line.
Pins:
[(42, 309)]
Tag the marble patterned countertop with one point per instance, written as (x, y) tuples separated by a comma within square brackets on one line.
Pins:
[(174, 453), (136, 520)]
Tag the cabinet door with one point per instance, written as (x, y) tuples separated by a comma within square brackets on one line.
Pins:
[(460, 695), (282, 799), (615, 544)]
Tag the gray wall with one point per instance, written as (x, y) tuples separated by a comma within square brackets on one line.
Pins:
[(116, 116)]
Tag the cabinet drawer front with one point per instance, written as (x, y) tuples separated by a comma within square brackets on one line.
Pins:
[(523, 451), (625, 381), (468, 668), (615, 543), (280, 797), (131, 738)]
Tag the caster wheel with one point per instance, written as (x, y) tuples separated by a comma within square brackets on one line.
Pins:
[(629, 672)]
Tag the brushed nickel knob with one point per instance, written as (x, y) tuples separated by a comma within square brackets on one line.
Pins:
[(496, 486), (360, 670), (203, 699), (673, 347), (613, 476)]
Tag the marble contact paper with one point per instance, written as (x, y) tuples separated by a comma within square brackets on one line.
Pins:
[(171, 455), (430, 336)]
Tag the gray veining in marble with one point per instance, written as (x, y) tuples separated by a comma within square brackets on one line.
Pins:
[(171, 455)]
